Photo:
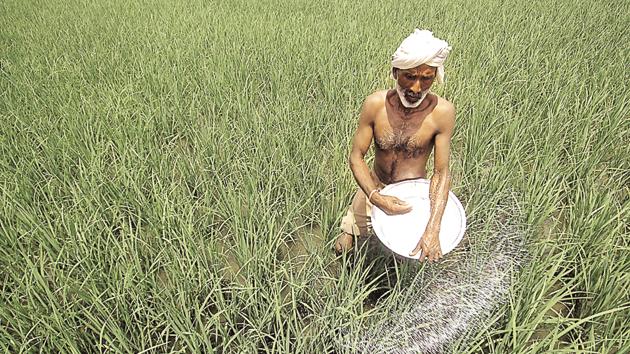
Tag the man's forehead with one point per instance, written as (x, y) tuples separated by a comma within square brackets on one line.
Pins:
[(422, 69)]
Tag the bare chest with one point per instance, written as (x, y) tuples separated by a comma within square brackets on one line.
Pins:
[(412, 138)]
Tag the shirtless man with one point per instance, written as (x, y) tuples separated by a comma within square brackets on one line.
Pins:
[(406, 124)]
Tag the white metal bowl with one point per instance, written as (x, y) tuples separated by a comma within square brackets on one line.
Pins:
[(401, 233)]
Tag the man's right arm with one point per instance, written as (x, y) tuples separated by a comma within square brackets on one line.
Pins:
[(361, 143)]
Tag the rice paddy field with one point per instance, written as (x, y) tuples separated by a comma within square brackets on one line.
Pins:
[(173, 173)]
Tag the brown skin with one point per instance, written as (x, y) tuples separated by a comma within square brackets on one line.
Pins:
[(404, 138)]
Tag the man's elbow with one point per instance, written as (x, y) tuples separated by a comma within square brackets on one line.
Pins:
[(443, 174), (354, 159)]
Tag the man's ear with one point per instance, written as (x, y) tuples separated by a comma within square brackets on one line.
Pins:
[(395, 73)]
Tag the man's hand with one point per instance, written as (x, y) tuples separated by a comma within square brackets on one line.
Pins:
[(390, 205), (429, 244)]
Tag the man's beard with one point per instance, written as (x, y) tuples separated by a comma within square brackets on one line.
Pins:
[(403, 99)]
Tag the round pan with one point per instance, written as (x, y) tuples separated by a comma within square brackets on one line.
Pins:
[(401, 233)]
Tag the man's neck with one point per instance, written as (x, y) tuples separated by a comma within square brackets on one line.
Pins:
[(408, 112)]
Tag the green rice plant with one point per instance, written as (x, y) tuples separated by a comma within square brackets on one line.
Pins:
[(173, 174)]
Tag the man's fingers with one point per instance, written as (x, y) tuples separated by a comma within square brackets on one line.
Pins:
[(397, 201), (423, 253), (401, 209), (395, 206), (436, 256), (427, 254), (421, 259), (415, 251)]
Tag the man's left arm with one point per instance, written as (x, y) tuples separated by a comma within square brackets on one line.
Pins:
[(439, 186)]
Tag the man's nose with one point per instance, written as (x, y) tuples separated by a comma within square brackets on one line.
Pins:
[(416, 87)]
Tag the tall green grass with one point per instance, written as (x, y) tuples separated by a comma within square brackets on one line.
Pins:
[(172, 174)]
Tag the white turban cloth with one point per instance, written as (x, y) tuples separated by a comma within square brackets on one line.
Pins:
[(422, 48)]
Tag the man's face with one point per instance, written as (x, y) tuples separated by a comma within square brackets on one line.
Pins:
[(413, 82)]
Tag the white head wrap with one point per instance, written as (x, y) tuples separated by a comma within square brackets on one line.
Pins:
[(422, 48)]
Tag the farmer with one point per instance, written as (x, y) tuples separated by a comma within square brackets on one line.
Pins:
[(406, 123)]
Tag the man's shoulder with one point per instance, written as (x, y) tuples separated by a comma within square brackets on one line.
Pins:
[(372, 105), (444, 107), (376, 99), (444, 113)]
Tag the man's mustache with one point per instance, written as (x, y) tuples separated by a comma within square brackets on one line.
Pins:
[(413, 94)]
